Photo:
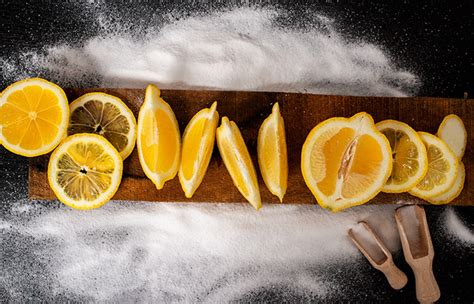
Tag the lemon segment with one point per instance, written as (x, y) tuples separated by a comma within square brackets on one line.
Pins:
[(34, 116), (454, 134), (158, 140), (105, 115), (272, 153), (442, 168), (410, 161), (85, 171), (345, 161), (237, 160), (454, 191), (198, 143)]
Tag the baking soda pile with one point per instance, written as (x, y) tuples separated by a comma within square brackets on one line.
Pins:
[(240, 49), (184, 252)]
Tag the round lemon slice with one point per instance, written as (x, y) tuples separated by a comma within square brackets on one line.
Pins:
[(198, 143), (34, 116), (272, 154), (158, 141), (346, 161), (85, 171), (442, 168), (454, 134), (454, 191), (237, 160), (105, 115), (410, 161)]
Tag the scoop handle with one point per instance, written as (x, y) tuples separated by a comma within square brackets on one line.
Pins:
[(395, 277), (427, 289)]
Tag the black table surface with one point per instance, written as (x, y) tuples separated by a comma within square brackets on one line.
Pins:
[(433, 38)]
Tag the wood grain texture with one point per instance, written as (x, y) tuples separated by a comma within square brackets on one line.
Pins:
[(248, 109)]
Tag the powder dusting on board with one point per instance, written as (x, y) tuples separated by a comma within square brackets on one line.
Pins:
[(145, 252)]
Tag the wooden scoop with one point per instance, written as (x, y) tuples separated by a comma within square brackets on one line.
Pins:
[(378, 255), (418, 250)]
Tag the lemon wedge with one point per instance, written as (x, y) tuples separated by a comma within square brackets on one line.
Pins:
[(346, 161), (34, 115), (237, 160), (158, 140), (410, 161), (198, 143), (272, 153), (85, 171)]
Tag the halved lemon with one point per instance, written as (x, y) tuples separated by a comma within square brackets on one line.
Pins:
[(454, 191), (442, 168), (198, 143), (105, 115), (272, 154), (158, 141), (34, 115), (410, 162), (237, 160), (346, 161), (85, 171), (454, 134)]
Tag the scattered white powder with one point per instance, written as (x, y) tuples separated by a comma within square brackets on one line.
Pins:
[(240, 49), (455, 227), (185, 251)]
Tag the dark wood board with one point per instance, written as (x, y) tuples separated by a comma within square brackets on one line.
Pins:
[(248, 109)]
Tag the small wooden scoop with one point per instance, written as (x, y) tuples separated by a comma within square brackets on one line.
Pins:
[(418, 250), (378, 255)]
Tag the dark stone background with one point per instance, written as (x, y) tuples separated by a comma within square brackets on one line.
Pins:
[(431, 38)]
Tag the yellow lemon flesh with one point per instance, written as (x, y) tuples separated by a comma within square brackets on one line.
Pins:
[(105, 115), (410, 161), (85, 171), (272, 153), (158, 140), (454, 134), (237, 160), (346, 162), (34, 116), (442, 168), (454, 191), (198, 143)]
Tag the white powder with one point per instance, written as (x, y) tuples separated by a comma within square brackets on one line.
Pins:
[(241, 49), (184, 252), (368, 242), (455, 227)]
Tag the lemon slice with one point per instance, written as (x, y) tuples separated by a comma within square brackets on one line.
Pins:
[(105, 115), (454, 191), (410, 162), (85, 171), (34, 116), (237, 160), (158, 141), (272, 154), (198, 143), (453, 132), (442, 168), (346, 161)]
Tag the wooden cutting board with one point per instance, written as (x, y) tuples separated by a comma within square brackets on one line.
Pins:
[(248, 109)]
